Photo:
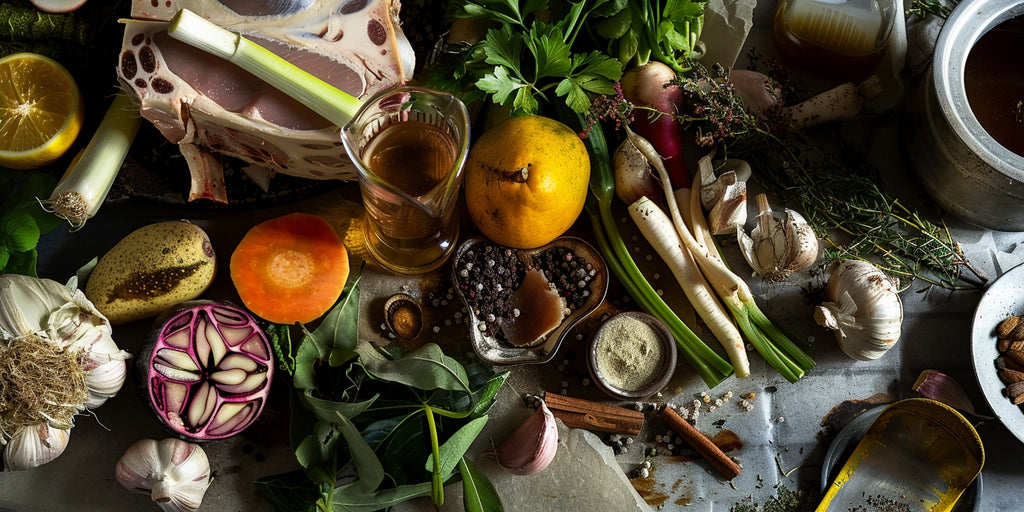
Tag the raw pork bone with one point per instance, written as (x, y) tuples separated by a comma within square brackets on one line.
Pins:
[(208, 106)]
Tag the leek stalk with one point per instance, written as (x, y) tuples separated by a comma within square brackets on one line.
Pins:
[(332, 103), (86, 183)]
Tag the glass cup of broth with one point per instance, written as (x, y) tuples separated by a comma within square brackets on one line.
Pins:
[(409, 146)]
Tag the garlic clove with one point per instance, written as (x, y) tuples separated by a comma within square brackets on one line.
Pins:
[(34, 446), (175, 473), (105, 370), (943, 388), (532, 446), (730, 210)]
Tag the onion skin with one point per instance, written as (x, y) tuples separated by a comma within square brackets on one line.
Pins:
[(634, 177), (186, 391)]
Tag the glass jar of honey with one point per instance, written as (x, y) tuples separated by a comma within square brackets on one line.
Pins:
[(839, 39)]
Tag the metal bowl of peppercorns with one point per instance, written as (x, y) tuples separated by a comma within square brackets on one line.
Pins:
[(522, 303)]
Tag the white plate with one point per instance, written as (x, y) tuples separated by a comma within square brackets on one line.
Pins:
[(1004, 297)]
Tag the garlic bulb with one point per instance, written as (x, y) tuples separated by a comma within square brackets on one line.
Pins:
[(173, 472), (864, 309), (776, 248), (57, 359)]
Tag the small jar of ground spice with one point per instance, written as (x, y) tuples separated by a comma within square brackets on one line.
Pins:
[(632, 355)]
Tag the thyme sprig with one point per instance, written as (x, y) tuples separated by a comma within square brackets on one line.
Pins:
[(835, 188)]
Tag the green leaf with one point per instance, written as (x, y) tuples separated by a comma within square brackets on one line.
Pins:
[(478, 494), (341, 327), (499, 84), (615, 26), (485, 396), (599, 64), (550, 51), (368, 466), (327, 410), (289, 492), (503, 48), (668, 34), (319, 446), (575, 97), (425, 368), (18, 232), (610, 8), (5, 256), (333, 341), (455, 447), (381, 499), (683, 10), (525, 101)]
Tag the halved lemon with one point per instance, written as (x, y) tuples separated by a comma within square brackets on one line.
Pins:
[(41, 111)]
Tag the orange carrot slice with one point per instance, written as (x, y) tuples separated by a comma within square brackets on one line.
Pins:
[(290, 269)]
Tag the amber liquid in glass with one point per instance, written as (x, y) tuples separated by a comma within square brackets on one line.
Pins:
[(995, 83), (821, 38), (414, 157)]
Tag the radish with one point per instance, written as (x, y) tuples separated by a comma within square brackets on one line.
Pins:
[(206, 370), (57, 6), (647, 86)]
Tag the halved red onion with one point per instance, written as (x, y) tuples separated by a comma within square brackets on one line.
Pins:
[(207, 370)]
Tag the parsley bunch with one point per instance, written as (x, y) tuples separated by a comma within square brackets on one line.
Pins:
[(524, 59)]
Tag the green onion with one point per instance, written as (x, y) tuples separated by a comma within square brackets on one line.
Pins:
[(85, 185), (333, 104)]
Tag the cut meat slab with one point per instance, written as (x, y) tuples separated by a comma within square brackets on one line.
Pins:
[(210, 107)]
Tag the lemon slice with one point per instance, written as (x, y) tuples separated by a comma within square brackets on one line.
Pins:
[(41, 111)]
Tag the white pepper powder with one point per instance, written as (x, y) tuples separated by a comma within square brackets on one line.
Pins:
[(629, 353)]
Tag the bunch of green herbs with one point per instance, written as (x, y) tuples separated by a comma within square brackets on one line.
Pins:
[(372, 428), (537, 52)]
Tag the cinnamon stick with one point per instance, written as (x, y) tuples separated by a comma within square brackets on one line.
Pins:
[(589, 415), (699, 442)]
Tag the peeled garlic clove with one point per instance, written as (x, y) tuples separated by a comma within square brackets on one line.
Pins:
[(532, 446), (173, 472), (34, 446), (864, 309), (775, 247)]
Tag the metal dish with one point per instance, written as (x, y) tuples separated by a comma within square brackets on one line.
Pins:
[(919, 455), (846, 440), (660, 380), (1003, 298), (495, 350)]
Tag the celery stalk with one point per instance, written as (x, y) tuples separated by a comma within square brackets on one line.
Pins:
[(332, 103)]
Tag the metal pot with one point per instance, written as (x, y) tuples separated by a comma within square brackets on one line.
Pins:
[(961, 166)]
